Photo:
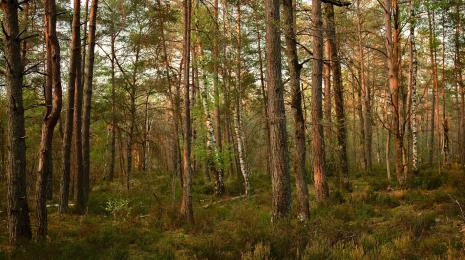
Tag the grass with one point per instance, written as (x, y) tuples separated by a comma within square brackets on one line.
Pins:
[(422, 221)]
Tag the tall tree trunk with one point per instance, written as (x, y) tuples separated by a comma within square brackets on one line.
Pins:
[(459, 81), (68, 134), (264, 96), (237, 114), (412, 83), (365, 102), (77, 129), (89, 73), (216, 83), (19, 227), (186, 204), (299, 123), (445, 124), (280, 179), (391, 18), (319, 175), (435, 93), (52, 114), (175, 105), (338, 97), (111, 169)]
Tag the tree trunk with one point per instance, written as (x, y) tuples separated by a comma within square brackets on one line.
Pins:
[(299, 123), (237, 114), (77, 129), (264, 96), (365, 102), (114, 123), (19, 227), (412, 83), (89, 73), (68, 134), (280, 179), (52, 114), (213, 158), (186, 204), (319, 175), (459, 81), (391, 15), (338, 98), (434, 97)]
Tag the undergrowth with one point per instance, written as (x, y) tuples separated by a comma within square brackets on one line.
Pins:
[(420, 220)]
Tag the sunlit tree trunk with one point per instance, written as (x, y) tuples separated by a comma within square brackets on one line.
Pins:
[(365, 101), (296, 104), (280, 179), (19, 227), (319, 175), (338, 97), (391, 18)]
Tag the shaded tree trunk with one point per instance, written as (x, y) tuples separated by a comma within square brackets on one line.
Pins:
[(296, 104), (53, 101), (186, 204), (68, 134), (89, 73), (77, 129), (241, 153), (280, 179), (19, 227)]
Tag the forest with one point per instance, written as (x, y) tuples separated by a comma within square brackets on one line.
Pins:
[(232, 129)]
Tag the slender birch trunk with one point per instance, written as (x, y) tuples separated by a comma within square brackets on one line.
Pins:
[(237, 114)]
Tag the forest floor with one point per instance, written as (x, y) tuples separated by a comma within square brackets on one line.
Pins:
[(424, 220)]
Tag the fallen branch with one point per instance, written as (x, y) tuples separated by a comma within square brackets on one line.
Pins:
[(224, 200), (336, 2)]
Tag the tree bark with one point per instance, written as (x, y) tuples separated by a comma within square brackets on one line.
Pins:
[(435, 94), (237, 114), (412, 83), (459, 81), (365, 102), (186, 204), (89, 73), (77, 129), (319, 175), (19, 227), (68, 134), (296, 104), (391, 17), (338, 98), (280, 179), (52, 114)]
